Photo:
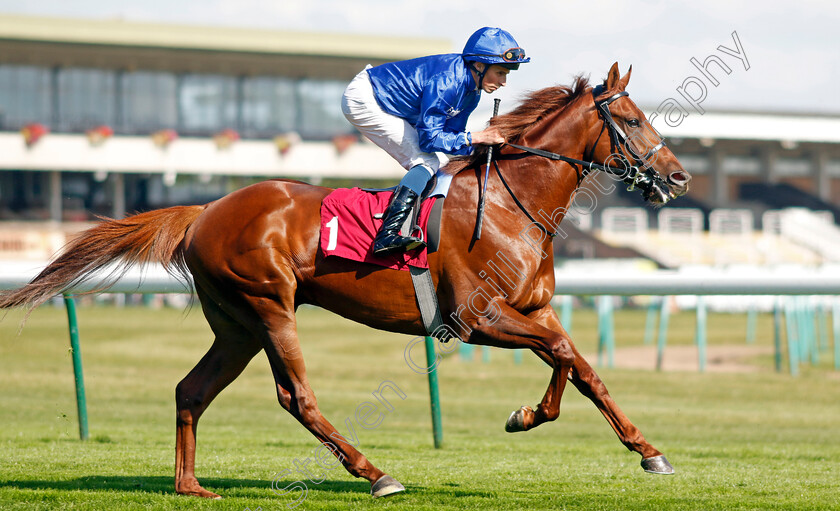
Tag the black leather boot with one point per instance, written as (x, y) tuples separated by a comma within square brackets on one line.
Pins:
[(388, 238)]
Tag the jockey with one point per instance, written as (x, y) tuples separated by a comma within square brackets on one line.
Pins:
[(415, 108)]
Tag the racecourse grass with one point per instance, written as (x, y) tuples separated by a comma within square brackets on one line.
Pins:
[(757, 440)]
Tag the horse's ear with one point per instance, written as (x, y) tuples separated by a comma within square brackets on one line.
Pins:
[(624, 79), (613, 76)]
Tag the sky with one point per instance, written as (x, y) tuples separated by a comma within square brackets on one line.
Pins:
[(791, 49)]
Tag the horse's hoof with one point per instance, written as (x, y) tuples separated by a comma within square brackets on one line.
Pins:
[(516, 421), (657, 465), (189, 486), (201, 492), (385, 486)]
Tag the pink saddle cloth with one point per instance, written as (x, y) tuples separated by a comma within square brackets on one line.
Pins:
[(348, 227)]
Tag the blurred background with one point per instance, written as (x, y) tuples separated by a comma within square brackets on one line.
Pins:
[(108, 109)]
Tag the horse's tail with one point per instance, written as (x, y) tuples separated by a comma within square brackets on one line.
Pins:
[(154, 236)]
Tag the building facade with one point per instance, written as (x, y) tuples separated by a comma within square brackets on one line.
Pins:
[(109, 116)]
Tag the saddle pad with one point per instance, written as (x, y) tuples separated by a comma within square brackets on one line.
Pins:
[(348, 228)]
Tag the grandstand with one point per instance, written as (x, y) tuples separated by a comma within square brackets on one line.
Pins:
[(789, 236), (111, 116)]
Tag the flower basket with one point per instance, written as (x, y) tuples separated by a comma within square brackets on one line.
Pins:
[(162, 138), (33, 132), (286, 141), (98, 135), (225, 138)]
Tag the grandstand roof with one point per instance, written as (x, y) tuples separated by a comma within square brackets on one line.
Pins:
[(121, 44), (122, 33), (785, 127)]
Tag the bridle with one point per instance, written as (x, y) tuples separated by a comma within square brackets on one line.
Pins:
[(643, 177), (619, 145)]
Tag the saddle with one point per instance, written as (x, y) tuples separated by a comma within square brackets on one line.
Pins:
[(350, 218)]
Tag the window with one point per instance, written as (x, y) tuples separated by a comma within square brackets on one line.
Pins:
[(269, 106), (320, 104), (149, 102), (24, 96), (141, 102), (86, 99), (207, 103)]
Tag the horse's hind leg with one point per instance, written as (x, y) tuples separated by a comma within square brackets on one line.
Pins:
[(277, 330), (231, 351)]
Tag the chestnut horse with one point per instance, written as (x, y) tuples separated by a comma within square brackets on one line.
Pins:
[(254, 258)]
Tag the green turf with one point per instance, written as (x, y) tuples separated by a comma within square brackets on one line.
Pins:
[(760, 440)]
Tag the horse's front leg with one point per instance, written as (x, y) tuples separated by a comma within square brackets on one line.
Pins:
[(508, 328), (588, 383)]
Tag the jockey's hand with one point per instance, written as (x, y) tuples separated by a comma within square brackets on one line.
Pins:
[(489, 136)]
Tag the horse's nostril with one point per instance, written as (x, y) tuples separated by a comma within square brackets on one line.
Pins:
[(679, 178)]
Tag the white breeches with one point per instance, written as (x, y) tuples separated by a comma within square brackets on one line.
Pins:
[(393, 134)]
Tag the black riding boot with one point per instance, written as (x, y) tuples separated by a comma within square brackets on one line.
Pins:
[(388, 238)]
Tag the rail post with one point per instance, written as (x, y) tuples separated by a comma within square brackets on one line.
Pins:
[(606, 333), (700, 334), (752, 319), (78, 373), (434, 394), (792, 337), (650, 320), (777, 334), (663, 332)]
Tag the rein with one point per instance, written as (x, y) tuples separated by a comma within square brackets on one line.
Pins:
[(588, 166), (645, 178), (533, 220)]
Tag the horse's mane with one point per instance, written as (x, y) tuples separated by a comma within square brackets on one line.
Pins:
[(535, 106)]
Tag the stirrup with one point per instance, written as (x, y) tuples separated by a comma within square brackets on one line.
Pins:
[(392, 243), (398, 214)]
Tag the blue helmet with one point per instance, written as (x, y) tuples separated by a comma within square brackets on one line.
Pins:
[(494, 46)]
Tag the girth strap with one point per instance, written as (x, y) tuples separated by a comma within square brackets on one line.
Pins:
[(424, 289)]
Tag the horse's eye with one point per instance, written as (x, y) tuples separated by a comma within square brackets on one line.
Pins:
[(633, 123)]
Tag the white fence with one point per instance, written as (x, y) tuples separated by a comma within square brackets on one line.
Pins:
[(663, 283), (154, 279), (703, 283)]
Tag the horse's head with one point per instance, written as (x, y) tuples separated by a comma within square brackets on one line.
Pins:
[(633, 144)]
